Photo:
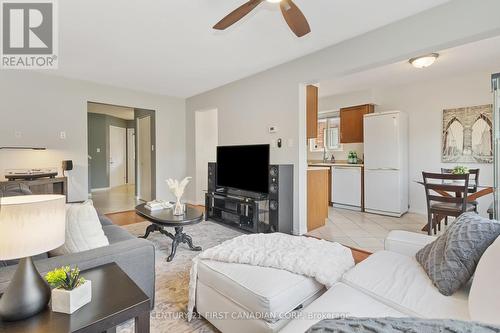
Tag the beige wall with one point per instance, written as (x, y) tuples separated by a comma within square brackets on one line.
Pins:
[(40, 106)]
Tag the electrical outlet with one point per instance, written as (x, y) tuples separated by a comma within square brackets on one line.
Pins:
[(62, 135), (18, 134)]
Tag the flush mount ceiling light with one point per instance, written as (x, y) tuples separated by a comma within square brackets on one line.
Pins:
[(291, 13), (424, 61)]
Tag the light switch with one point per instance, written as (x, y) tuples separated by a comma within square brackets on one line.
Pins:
[(18, 134), (98, 150), (62, 135)]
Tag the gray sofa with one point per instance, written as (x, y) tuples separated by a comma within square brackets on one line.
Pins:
[(135, 256)]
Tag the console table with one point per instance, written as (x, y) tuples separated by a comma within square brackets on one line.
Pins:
[(57, 185)]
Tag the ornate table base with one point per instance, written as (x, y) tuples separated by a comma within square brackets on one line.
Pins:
[(179, 237)]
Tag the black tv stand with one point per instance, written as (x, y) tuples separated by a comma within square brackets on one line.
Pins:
[(247, 211)]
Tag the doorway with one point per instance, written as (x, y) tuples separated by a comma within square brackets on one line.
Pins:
[(117, 156), (121, 151), (206, 141)]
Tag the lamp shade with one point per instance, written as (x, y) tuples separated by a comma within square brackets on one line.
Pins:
[(31, 225)]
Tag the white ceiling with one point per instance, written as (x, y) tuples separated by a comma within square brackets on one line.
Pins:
[(168, 47), (479, 56), (111, 110)]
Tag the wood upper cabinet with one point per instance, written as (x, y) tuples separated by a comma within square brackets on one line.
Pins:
[(351, 123), (312, 111)]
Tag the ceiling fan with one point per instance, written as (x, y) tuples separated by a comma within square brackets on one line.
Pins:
[(292, 14)]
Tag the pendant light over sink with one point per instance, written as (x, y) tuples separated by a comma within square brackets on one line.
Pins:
[(291, 13)]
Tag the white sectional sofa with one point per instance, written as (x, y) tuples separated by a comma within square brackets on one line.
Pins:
[(390, 283)]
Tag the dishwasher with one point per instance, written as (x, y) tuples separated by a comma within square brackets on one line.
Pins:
[(346, 187)]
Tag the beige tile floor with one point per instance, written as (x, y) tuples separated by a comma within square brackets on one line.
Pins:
[(116, 199), (365, 231)]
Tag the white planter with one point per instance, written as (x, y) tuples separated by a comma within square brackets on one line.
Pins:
[(66, 301)]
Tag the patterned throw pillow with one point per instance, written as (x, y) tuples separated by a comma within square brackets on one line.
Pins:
[(450, 261)]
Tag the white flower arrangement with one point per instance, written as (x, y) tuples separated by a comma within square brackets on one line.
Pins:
[(177, 188)]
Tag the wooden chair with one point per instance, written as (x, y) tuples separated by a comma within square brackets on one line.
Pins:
[(446, 196), (473, 175)]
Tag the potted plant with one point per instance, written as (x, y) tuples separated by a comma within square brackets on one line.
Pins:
[(352, 158), (70, 291), (460, 170)]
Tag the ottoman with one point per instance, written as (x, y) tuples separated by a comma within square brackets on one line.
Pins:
[(243, 298)]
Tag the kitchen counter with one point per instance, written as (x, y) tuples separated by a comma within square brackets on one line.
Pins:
[(330, 164), (317, 168)]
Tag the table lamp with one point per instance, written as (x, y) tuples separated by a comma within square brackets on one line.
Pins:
[(29, 225)]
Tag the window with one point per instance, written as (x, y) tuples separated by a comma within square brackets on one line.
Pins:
[(328, 135)]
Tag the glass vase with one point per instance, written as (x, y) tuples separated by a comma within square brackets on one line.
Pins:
[(178, 207)]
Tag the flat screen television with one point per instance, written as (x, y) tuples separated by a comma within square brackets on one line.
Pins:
[(243, 168)]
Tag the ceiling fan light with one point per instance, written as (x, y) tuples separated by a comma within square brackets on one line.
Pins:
[(274, 1), (424, 61)]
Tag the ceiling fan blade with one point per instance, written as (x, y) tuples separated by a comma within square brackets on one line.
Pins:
[(237, 14), (294, 18)]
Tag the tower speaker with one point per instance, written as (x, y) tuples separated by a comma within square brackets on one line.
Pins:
[(212, 177), (281, 198)]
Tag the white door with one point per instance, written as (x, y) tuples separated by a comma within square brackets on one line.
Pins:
[(382, 141), (383, 191), (144, 147), (130, 156), (117, 156), (346, 186), (206, 140)]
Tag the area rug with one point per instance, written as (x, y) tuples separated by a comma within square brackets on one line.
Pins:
[(172, 278)]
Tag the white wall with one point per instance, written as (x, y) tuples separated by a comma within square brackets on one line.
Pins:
[(247, 107), (41, 106), (207, 138), (424, 102)]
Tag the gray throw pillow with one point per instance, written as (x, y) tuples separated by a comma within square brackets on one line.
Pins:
[(450, 261)]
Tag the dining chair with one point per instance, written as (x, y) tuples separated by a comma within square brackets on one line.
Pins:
[(473, 175), (446, 196)]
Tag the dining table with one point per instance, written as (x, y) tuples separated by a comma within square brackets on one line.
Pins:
[(481, 190)]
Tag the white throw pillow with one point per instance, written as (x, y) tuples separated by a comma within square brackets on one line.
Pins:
[(83, 230)]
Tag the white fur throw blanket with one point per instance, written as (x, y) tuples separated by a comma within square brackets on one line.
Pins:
[(322, 260)]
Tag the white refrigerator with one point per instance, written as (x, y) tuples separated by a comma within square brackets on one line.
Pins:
[(386, 163)]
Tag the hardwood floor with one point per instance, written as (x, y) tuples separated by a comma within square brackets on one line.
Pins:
[(125, 218)]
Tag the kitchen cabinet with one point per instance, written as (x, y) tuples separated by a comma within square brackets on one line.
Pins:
[(312, 111), (317, 197), (351, 123), (347, 187)]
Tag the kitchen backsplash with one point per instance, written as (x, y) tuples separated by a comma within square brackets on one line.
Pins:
[(339, 155)]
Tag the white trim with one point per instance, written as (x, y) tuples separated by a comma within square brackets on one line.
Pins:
[(99, 189)]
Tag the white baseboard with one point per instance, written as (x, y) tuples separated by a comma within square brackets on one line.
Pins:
[(100, 189)]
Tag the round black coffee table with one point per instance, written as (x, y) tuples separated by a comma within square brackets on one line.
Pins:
[(161, 219)]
